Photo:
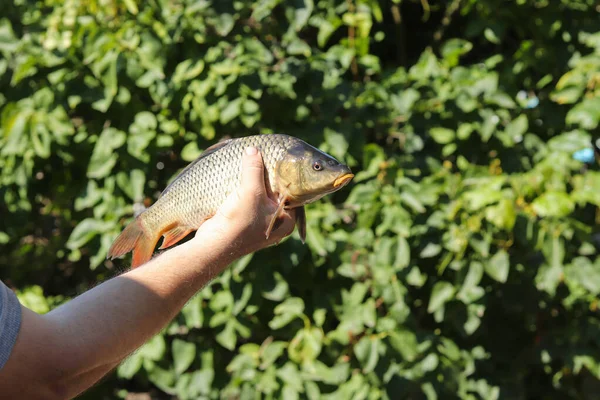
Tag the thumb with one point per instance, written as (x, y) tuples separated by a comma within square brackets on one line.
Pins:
[(253, 173)]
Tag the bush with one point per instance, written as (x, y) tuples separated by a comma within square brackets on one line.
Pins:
[(462, 261)]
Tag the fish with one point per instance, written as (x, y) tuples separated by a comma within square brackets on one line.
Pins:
[(296, 174)]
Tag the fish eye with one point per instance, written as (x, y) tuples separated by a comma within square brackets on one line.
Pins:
[(317, 166)]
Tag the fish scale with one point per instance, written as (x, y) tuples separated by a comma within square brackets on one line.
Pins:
[(201, 188)]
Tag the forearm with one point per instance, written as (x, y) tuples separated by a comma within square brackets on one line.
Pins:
[(90, 334), (78, 384), (107, 323), (60, 354)]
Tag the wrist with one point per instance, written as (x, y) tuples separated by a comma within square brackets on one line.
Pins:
[(215, 248)]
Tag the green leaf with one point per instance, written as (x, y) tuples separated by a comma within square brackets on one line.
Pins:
[(137, 184), (183, 355), (498, 266), (405, 342), (40, 138), (286, 312), (442, 135), (367, 352), (306, 346), (553, 204), (299, 47), (501, 99), (402, 259), (582, 272), (154, 349), (416, 278), (431, 250), (279, 290), (567, 95), (131, 6), (290, 375), (85, 231), (227, 337), (490, 35), (8, 41), (241, 303), (162, 378), (475, 312), (518, 127), (319, 316), (190, 152), (187, 70), (289, 392), (33, 298), (326, 28), (336, 144), (404, 101), (464, 131), (201, 381), (224, 24), (454, 48), (503, 215), (569, 142), (194, 317), (222, 300), (470, 291), (231, 111), (271, 353), (550, 274), (104, 158), (585, 114), (441, 293), (312, 390), (130, 366)]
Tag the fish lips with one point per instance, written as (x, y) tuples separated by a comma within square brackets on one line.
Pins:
[(343, 180)]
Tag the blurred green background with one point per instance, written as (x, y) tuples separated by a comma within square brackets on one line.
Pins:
[(461, 263)]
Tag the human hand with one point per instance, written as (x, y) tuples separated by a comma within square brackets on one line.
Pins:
[(241, 222)]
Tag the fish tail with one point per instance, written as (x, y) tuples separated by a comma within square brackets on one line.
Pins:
[(134, 238)]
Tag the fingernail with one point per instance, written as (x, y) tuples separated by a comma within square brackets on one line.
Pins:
[(251, 151)]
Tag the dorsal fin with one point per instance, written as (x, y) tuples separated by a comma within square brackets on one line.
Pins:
[(205, 153)]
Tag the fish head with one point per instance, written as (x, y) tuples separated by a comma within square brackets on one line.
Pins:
[(305, 174)]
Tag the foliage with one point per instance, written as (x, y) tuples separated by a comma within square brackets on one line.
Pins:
[(461, 263)]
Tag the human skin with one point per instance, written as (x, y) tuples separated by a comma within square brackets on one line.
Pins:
[(60, 354)]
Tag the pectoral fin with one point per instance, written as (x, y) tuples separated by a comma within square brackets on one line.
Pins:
[(174, 235), (275, 216), (134, 238), (301, 222)]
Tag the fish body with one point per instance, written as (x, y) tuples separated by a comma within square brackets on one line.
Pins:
[(296, 174)]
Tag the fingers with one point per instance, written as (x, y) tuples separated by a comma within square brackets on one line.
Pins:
[(246, 214), (253, 173)]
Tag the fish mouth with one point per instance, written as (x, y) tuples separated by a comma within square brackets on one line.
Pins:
[(342, 180)]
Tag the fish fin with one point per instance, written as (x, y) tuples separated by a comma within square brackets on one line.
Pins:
[(142, 252), (133, 238), (126, 240), (276, 215), (174, 235), (205, 153), (301, 222)]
